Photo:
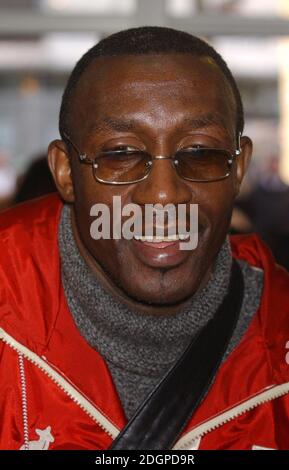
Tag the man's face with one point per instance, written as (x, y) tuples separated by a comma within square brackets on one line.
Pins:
[(159, 104)]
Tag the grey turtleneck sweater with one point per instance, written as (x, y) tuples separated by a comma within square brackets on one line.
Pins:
[(139, 348)]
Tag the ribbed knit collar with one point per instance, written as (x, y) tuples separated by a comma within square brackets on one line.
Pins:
[(126, 338)]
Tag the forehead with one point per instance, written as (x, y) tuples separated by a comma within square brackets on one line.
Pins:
[(115, 86)]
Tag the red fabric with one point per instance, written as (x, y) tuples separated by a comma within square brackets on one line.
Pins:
[(33, 310)]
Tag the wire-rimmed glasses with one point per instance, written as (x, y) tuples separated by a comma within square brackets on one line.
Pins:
[(126, 165)]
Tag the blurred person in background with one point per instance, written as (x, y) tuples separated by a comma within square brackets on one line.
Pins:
[(36, 182), (267, 207), (7, 182), (132, 344)]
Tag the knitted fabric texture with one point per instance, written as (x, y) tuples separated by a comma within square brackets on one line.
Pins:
[(139, 348)]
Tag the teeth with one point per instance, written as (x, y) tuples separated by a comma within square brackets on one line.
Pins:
[(184, 236), (152, 239)]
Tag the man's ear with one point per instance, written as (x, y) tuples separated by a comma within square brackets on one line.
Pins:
[(243, 160), (59, 164)]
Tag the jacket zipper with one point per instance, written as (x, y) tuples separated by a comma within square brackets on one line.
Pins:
[(62, 383), (264, 396), (185, 442)]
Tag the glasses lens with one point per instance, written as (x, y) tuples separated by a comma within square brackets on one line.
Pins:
[(120, 166), (202, 164)]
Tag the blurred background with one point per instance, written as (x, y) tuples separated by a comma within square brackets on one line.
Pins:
[(40, 41)]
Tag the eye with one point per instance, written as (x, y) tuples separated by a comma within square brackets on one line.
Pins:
[(121, 148), (194, 147), (191, 149), (121, 153)]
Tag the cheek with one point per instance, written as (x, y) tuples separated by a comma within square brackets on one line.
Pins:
[(216, 203), (86, 195), (83, 182), (87, 191)]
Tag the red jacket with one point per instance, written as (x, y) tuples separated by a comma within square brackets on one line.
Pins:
[(56, 392)]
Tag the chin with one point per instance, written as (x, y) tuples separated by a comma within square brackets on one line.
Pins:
[(158, 294)]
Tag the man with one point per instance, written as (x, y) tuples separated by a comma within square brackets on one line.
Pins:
[(89, 327)]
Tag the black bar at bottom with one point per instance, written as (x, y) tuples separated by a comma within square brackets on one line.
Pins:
[(123, 459)]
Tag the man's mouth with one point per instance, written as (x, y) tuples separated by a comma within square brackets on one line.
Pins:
[(160, 242), (160, 252)]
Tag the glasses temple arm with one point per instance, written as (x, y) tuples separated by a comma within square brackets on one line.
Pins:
[(82, 156), (239, 150)]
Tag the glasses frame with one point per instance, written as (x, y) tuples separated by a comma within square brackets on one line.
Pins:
[(84, 158)]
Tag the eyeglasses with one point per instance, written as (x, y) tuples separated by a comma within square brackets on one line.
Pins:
[(125, 165)]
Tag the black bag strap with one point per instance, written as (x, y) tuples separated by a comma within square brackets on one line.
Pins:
[(161, 418)]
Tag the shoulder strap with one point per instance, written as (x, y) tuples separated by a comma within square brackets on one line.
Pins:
[(161, 418)]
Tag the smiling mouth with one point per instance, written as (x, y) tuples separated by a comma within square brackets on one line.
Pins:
[(160, 252), (156, 243), (167, 239)]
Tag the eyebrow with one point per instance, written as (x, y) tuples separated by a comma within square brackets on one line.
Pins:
[(205, 120), (110, 123), (126, 125)]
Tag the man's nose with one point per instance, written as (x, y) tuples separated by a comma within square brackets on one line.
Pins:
[(163, 185)]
